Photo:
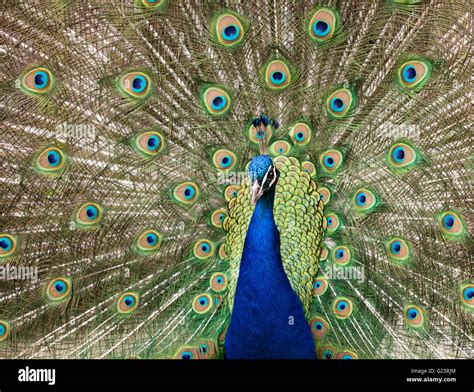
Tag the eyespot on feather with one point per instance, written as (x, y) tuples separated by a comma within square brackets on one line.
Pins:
[(322, 24), (320, 286), (203, 303), (134, 84), (59, 289), (215, 100), (331, 161), (50, 160), (4, 330), (342, 307), (8, 245), (300, 134), (414, 74), (398, 250), (218, 217), (37, 81), (278, 74), (341, 255), (127, 302), (319, 327), (414, 316), (148, 242), (365, 200), (203, 249), (280, 147), (224, 160), (149, 143), (186, 193), (467, 295), (452, 225), (218, 282), (89, 215), (340, 103), (229, 29)]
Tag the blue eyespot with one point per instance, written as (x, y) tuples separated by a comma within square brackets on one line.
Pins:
[(396, 247), (468, 294), (412, 314), (189, 192), (277, 77), (151, 239), (226, 161), (398, 154), (337, 105), (448, 221), (231, 32), (317, 285), (54, 158), (329, 221), (361, 199), (329, 161), (5, 244), (91, 212), (203, 301), (219, 102), (347, 357), (186, 355), (328, 354), (60, 287), (299, 136), (139, 84), (342, 305), (409, 74), (41, 79), (2, 330), (219, 280), (318, 325), (205, 248), (153, 142), (340, 254), (129, 300), (321, 28)]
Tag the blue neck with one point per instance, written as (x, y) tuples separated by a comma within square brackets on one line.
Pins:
[(268, 319)]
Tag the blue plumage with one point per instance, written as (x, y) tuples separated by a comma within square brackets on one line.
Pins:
[(268, 319)]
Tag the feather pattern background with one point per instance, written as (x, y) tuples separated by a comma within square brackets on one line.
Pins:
[(89, 113)]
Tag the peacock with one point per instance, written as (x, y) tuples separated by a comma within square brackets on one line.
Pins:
[(236, 179)]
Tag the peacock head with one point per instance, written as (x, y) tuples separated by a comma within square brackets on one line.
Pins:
[(263, 175)]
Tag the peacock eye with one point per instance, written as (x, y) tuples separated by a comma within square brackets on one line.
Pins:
[(149, 143), (452, 225), (134, 84), (202, 303), (229, 29), (340, 103), (216, 101), (58, 289), (224, 160), (413, 74), (37, 81), (323, 24), (8, 245), (331, 161), (4, 330), (218, 282), (300, 134), (319, 327), (342, 307), (127, 302), (49, 161), (278, 74), (89, 214), (414, 316)]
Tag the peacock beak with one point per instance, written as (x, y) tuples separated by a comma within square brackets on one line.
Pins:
[(257, 192)]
